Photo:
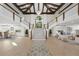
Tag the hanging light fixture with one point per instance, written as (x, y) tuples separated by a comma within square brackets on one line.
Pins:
[(38, 8)]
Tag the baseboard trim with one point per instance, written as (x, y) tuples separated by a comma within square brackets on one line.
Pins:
[(38, 39)]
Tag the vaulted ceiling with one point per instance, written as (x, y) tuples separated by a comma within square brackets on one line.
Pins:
[(47, 8)]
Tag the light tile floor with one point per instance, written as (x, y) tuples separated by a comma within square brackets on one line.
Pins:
[(39, 48), (60, 48), (28, 47), (22, 49)]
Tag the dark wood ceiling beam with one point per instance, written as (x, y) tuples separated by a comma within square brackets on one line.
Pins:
[(29, 13), (49, 8), (34, 7), (53, 4), (17, 6), (11, 8), (23, 8), (53, 8), (46, 10), (28, 8), (60, 6), (65, 7), (24, 4), (41, 13), (47, 13), (43, 8)]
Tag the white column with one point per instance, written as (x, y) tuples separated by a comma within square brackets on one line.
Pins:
[(29, 33), (47, 33)]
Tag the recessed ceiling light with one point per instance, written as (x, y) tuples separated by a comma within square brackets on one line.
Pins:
[(14, 44)]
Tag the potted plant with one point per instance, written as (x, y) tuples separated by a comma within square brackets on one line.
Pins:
[(39, 18)]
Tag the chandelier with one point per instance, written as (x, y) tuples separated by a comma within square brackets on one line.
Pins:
[(38, 8)]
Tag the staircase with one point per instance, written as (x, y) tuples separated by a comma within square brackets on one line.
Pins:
[(38, 34)]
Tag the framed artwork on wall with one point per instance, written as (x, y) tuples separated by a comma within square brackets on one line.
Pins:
[(18, 30)]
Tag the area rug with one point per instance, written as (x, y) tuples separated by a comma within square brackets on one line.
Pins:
[(39, 48)]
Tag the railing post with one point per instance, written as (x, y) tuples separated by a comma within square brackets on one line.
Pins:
[(20, 19), (63, 16), (78, 8), (29, 25), (46, 34), (56, 19), (31, 34), (13, 16), (47, 25)]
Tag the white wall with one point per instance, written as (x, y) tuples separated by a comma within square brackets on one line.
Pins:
[(71, 18), (7, 27), (71, 14), (6, 22), (74, 29), (5, 16), (66, 29), (45, 18), (22, 33)]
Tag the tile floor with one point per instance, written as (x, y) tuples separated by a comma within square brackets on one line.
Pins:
[(39, 48), (27, 47)]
